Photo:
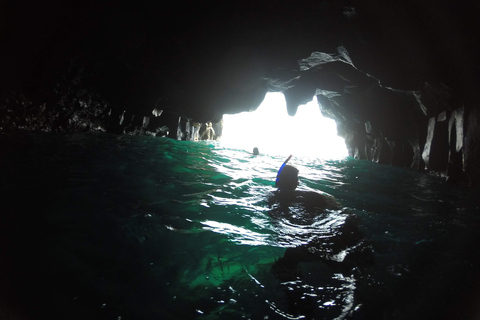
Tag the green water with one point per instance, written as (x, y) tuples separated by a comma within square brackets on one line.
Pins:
[(97, 226)]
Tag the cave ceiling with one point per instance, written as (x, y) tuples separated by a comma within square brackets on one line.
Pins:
[(201, 59)]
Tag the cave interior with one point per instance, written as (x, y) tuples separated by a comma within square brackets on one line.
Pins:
[(399, 77)]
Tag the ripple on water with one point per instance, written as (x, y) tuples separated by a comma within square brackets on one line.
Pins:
[(157, 228)]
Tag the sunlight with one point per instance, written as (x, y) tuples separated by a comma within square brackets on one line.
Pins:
[(273, 131)]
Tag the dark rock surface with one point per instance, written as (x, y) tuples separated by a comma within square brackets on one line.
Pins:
[(399, 77)]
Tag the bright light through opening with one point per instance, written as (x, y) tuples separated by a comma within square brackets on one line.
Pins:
[(273, 131)]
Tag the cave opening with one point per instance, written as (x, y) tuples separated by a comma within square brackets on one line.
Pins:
[(273, 131)]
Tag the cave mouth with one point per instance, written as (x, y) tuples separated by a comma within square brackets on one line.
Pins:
[(274, 132)]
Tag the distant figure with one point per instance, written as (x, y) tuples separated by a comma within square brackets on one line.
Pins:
[(196, 129), (255, 151), (209, 133)]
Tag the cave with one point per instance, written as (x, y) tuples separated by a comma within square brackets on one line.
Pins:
[(400, 78)]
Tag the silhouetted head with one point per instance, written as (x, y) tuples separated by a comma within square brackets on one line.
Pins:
[(255, 151), (287, 178)]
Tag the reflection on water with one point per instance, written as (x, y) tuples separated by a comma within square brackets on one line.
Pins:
[(102, 227)]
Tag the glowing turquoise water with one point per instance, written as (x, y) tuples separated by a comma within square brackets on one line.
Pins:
[(97, 226)]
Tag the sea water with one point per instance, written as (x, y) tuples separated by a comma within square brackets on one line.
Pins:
[(100, 226)]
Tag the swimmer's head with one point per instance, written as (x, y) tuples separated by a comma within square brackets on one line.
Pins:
[(255, 151), (287, 178)]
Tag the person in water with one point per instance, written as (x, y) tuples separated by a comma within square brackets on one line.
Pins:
[(287, 195), (334, 242), (255, 151)]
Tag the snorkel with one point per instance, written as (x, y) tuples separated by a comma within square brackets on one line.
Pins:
[(281, 168)]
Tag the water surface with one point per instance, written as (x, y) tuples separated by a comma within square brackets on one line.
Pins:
[(98, 226)]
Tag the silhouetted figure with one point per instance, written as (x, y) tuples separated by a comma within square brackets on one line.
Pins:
[(311, 203), (196, 130), (255, 151), (328, 236), (209, 133), (287, 183)]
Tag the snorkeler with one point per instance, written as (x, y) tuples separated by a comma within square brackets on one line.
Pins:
[(334, 237), (287, 182)]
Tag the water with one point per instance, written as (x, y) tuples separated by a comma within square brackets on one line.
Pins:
[(97, 226)]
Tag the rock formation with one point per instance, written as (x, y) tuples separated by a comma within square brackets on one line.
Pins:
[(399, 77)]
